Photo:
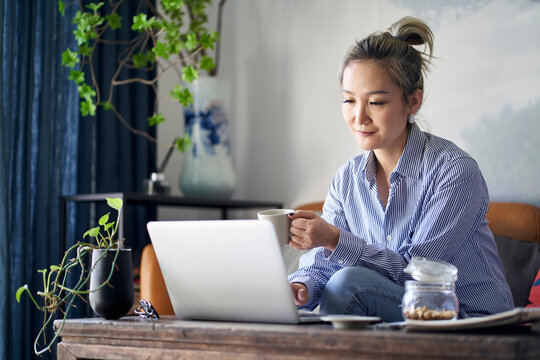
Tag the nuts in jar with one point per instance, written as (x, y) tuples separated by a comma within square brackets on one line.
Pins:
[(423, 313), (429, 301)]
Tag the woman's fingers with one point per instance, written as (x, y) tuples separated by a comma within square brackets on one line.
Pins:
[(301, 296), (306, 214), (309, 231), (298, 243)]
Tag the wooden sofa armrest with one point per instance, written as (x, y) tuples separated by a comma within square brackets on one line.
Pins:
[(153, 286)]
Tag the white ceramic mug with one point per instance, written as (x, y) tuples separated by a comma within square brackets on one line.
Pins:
[(281, 222)]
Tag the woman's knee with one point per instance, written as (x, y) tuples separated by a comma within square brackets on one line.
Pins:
[(362, 291), (353, 276), (342, 289)]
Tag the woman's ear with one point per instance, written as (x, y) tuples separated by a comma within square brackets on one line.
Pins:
[(415, 100)]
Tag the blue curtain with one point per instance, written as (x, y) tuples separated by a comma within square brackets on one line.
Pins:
[(38, 157), (47, 151)]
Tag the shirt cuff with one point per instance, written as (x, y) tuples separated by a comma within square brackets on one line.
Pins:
[(348, 250)]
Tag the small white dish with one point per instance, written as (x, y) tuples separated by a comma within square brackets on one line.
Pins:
[(350, 321)]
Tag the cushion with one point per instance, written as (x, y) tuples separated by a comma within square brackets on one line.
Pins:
[(521, 261), (534, 297)]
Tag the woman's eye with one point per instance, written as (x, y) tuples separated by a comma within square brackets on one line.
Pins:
[(347, 101), (376, 103)]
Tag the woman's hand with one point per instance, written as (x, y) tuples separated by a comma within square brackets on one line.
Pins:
[(300, 293), (309, 231)]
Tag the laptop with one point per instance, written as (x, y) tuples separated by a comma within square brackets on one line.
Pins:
[(226, 270)]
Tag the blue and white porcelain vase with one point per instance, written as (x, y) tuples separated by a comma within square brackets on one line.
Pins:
[(207, 168)]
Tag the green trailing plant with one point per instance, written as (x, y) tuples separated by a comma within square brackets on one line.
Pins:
[(172, 38), (56, 297)]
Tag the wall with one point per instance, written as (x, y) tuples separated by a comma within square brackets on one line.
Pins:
[(288, 136)]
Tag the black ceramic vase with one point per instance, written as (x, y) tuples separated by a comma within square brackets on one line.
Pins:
[(114, 301)]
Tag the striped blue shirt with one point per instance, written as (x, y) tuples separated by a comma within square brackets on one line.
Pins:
[(436, 209)]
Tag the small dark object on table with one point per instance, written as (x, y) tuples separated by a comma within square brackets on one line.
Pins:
[(146, 310)]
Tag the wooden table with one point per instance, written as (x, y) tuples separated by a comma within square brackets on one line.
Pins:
[(168, 338)]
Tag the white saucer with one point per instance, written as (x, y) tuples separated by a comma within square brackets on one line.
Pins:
[(350, 321)]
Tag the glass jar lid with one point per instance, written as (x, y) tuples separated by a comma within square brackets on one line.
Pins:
[(429, 286), (427, 270)]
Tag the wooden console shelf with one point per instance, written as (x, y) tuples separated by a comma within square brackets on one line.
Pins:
[(224, 205)]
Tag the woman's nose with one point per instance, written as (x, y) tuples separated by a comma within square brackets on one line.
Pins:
[(361, 116)]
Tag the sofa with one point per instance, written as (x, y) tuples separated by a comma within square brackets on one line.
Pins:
[(516, 228)]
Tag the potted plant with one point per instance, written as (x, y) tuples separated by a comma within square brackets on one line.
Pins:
[(110, 271)]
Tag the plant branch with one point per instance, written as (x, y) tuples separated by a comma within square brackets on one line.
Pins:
[(153, 9), (154, 80), (131, 128), (120, 67)]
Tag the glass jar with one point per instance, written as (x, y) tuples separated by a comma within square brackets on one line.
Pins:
[(431, 296), (429, 301)]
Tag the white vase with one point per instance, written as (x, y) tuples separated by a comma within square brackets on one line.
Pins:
[(207, 169)]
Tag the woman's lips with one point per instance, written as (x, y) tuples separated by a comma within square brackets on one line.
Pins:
[(365, 133)]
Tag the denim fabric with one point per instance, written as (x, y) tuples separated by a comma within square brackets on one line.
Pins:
[(357, 290)]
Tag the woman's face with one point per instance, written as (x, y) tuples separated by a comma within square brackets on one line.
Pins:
[(374, 108)]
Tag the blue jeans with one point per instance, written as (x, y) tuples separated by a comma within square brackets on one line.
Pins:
[(361, 291)]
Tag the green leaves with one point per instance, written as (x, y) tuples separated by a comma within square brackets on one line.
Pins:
[(114, 20), (189, 73), (106, 105), (94, 7), (85, 50), (86, 92), (20, 291), (76, 76), (191, 42), (69, 58), (138, 22), (161, 50), (87, 24), (141, 23), (208, 41), (183, 96), (88, 108), (61, 7), (115, 203), (183, 143), (103, 220), (55, 268), (102, 240), (141, 60), (94, 232), (156, 119), (207, 63), (87, 105), (171, 5)]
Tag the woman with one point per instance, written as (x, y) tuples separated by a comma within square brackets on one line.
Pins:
[(410, 194)]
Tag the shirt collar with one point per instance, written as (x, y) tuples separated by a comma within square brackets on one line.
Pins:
[(408, 164)]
